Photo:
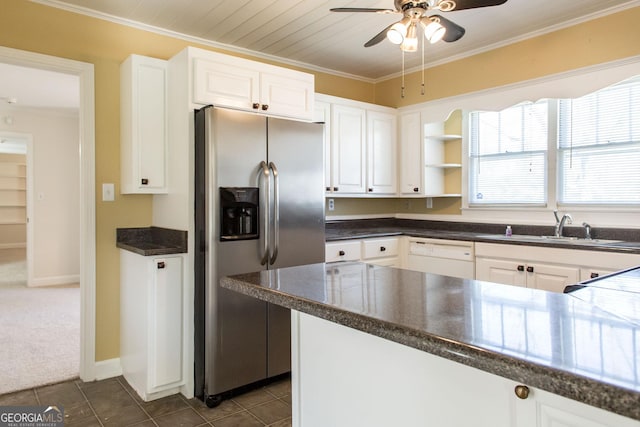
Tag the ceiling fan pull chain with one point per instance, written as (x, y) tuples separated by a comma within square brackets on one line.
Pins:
[(402, 89), (422, 43)]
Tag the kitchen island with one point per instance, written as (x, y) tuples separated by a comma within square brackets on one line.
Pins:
[(374, 345)]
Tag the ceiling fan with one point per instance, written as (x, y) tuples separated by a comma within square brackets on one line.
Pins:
[(415, 15)]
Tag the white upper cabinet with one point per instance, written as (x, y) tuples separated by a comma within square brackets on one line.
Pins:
[(348, 149), (361, 150), (143, 125), (228, 81), (411, 156), (322, 114), (381, 153)]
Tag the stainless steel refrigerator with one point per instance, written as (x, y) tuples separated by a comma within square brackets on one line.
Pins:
[(259, 205)]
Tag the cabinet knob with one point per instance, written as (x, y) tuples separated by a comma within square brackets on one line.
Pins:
[(335, 188), (327, 189), (160, 264), (144, 181), (530, 269), (370, 190), (382, 249), (341, 253), (265, 107), (521, 268), (416, 189), (255, 105), (522, 391), (594, 275)]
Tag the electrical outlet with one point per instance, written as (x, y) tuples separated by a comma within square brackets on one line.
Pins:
[(331, 205), (429, 202)]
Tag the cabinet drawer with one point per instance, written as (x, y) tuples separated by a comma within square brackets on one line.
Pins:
[(342, 251), (378, 248)]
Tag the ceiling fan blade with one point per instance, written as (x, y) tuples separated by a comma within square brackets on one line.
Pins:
[(361, 9), (469, 4), (454, 31), (378, 37)]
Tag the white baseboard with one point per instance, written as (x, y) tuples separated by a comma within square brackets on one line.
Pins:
[(55, 280), (108, 369)]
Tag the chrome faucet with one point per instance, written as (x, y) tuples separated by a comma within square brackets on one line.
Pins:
[(560, 222), (587, 231)]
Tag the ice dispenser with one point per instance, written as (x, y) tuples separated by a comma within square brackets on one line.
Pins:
[(239, 213)]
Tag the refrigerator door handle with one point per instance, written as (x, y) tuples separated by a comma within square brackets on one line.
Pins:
[(276, 212), (264, 184)]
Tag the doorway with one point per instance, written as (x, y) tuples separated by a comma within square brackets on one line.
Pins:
[(86, 131)]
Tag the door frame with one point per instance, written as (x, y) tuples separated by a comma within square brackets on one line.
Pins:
[(85, 73)]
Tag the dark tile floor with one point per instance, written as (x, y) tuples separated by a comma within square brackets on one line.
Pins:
[(112, 402)]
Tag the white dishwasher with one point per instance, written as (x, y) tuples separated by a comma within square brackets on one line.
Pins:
[(446, 257)]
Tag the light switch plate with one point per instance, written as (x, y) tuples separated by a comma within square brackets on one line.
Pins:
[(108, 192)]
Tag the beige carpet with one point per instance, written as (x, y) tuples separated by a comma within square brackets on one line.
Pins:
[(39, 332)]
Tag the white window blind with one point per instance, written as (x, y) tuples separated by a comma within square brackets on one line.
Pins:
[(508, 155), (599, 147)]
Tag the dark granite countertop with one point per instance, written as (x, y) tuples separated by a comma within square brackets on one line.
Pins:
[(555, 342), (608, 240), (150, 241)]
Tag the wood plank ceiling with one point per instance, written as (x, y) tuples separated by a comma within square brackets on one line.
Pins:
[(305, 32)]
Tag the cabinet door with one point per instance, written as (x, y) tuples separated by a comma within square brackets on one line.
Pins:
[(322, 114), (165, 323), (287, 94), (551, 277), (501, 271), (348, 149), (411, 157), (225, 83), (381, 153), (143, 133)]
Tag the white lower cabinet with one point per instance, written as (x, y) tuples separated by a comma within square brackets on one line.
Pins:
[(382, 251), (395, 385), (549, 277), (152, 323), (550, 269)]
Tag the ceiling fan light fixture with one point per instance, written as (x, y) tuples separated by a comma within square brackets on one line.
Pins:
[(410, 42), (396, 33), (433, 30)]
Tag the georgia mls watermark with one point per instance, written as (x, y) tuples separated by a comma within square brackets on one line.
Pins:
[(31, 416)]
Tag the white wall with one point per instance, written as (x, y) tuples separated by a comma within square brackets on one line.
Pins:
[(55, 198)]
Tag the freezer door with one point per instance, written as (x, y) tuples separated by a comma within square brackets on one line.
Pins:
[(236, 337), (295, 152)]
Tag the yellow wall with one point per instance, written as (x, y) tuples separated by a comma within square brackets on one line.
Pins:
[(33, 27), (601, 40)]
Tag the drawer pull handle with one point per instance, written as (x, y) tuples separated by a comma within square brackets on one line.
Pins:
[(265, 107), (530, 269), (416, 189), (594, 275), (160, 264), (370, 190), (335, 188), (382, 249), (341, 253), (521, 268), (256, 105), (327, 189), (522, 391), (144, 181)]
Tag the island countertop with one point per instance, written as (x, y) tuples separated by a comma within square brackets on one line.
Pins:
[(573, 346)]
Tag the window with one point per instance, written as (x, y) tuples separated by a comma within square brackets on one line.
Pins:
[(599, 147), (596, 148), (508, 155)]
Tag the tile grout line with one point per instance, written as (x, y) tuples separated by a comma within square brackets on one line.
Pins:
[(93, 411), (136, 402)]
